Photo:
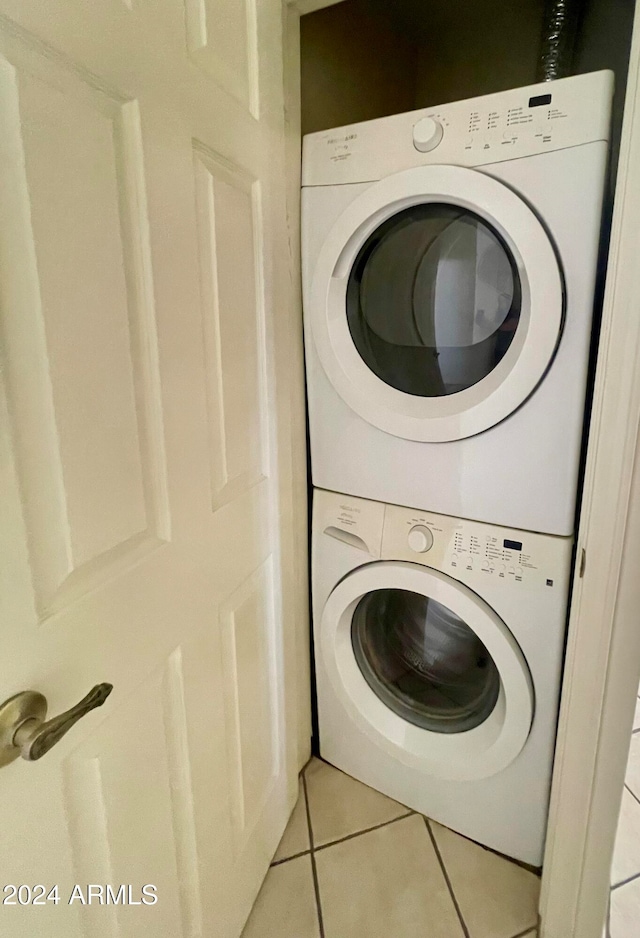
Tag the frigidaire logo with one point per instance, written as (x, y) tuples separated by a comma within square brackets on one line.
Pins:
[(342, 139)]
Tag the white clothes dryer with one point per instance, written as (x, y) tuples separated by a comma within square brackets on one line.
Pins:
[(438, 653), (449, 263)]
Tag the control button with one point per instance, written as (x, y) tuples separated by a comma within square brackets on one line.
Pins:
[(501, 569), (454, 560), (519, 572), (420, 538), (427, 134)]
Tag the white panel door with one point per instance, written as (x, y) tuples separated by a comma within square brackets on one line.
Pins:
[(147, 531)]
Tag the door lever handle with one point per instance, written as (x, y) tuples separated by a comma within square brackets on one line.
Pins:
[(24, 731)]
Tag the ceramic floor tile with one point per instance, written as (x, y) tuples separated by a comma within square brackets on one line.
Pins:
[(633, 765), (286, 904), (625, 910), (339, 805), (626, 855), (296, 836), (385, 883), (498, 899)]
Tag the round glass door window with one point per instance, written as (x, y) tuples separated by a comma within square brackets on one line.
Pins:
[(433, 300), (423, 661)]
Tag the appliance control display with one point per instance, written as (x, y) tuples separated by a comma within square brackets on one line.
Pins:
[(479, 131), (497, 555), (539, 100), (512, 545), (420, 538), (473, 552)]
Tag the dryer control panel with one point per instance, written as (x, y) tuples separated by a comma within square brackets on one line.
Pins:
[(476, 132)]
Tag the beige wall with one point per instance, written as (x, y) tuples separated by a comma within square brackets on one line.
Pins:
[(363, 59), (604, 42), (480, 48), (356, 65)]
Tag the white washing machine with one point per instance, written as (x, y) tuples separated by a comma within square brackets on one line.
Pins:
[(449, 261), (438, 653)]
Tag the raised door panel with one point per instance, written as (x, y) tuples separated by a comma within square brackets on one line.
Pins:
[(250, 695), (79, 330), (230, 254), (133, 775), (222, 40)]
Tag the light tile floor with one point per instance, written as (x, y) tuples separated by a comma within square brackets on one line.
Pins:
[(624, 912), (354, 864)]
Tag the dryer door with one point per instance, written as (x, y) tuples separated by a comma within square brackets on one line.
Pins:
[(436, 304), (427, 669)]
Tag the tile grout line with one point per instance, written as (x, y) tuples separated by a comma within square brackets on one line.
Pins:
[(365, 830), (534, 870), (632, 793), (632, 878), (294, 856), (314, 871), (625, 882), (446, 877)]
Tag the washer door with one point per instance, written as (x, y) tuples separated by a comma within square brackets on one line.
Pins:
[(427, 670), (436, 305)]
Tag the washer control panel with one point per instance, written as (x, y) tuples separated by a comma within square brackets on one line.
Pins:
[(348, 532), (472, 551)]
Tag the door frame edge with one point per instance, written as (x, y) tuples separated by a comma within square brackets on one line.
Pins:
[(602, 665), (292, 159)]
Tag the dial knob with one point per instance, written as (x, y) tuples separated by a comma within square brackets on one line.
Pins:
[(420, 538), (427, 134)]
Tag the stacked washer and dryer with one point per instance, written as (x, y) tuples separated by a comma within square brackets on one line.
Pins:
[(449, 263)]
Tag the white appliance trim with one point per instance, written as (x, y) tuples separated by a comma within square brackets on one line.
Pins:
[(454, 416), (476, 753)]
